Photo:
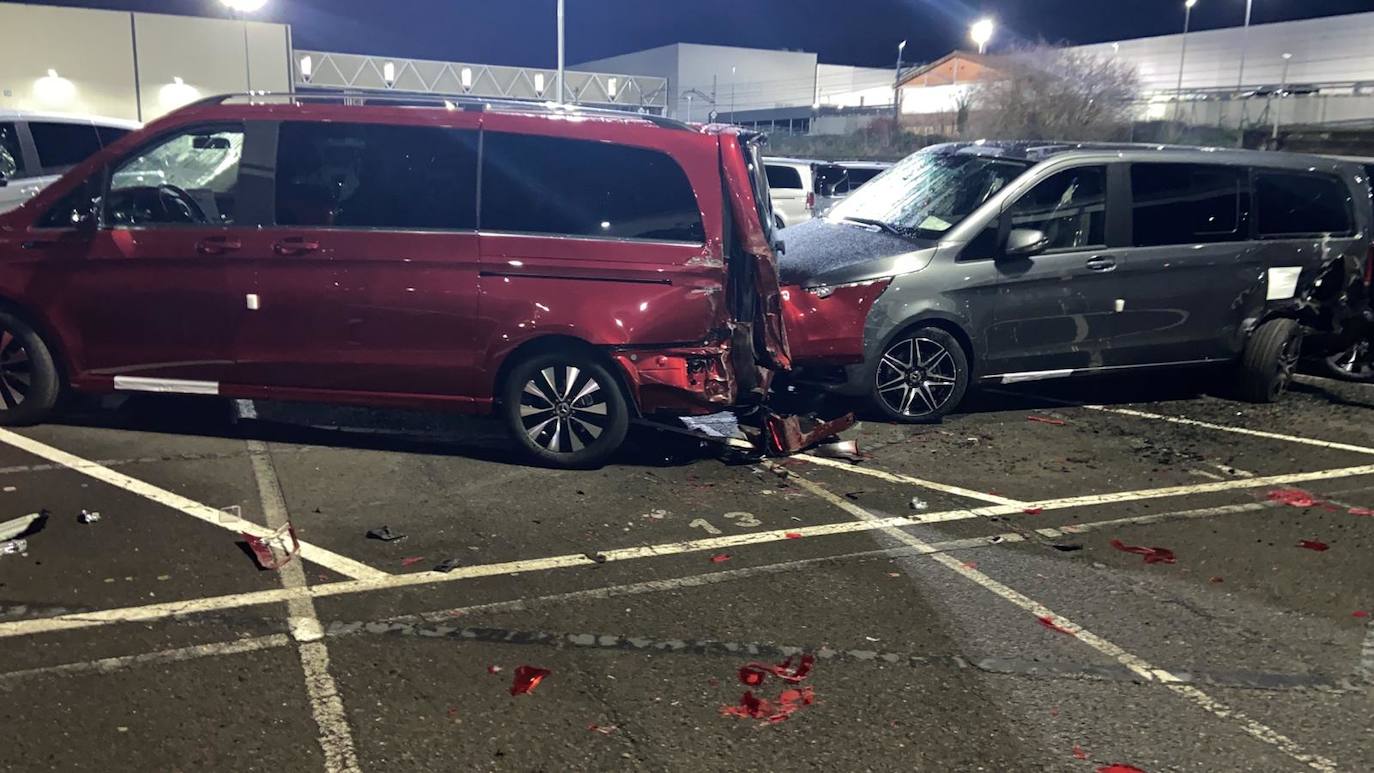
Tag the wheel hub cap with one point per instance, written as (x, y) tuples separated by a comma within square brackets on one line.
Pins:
[(563, 409), (916, 377)]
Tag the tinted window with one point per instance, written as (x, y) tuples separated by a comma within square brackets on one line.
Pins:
[(1296, 204), (63, 144), (376, 176), (188, 179), (76, 207), (9, 150), (860, 176), (783, 177), (1069, 206), (108, 134), (537, 184), (1186, 204)]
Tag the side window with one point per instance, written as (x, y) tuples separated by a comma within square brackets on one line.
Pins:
[(536, 184), (1069, 206), (783, 177), (186, 179), (1187, 204), (78, 207), (9, 151), (1297, 204), (376, 176), (109, 134), (63, 145)]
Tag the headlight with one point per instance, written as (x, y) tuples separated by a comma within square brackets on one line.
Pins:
[(825, 291)]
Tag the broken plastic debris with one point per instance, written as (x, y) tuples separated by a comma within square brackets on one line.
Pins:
[(1215, 580), (276, 549), (790, 434), (720, 558), (970, 564), (1361, 511), (1119, 768), (1049, 623), (1293, 497), (919, 504), (1032, 510), (1078, 753), (1359, 613), (1047, 420), (753, 707), (602, 729), (412, 560), (792, 535), (14, 527), (385, 534), (494, 669), (752, 675), (840, 449), (597, 557), (527, 678), (87, 516), (1152, 555), (447, 565), (13, 547), (1312, 544)]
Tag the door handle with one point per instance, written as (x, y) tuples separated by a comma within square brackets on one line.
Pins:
[(1101, 263), (218, 245), (295, 246)]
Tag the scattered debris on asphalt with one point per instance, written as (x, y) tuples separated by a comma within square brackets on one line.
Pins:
[(1359, 613), (385, 534), (1312, 544), (87, 516), (1293, 497), (1215, 580), (602, 729), (599, 558), (719, 425), (840, 449), (1361, 511), (1078, 753), (1118, 767), (1152, 555), (787, 703), (412, 560), (22, 526), (785, 435), (720, 558), (276, 549), (527, 678), (13, 547), (792, 535), (1066, 547), (1047, 420), (494, 669), (970, 564), (919, 504), (447, 565), (1032, 510), (1049, 623)]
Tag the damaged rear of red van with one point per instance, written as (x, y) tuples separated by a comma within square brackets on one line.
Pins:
[(569, 269)]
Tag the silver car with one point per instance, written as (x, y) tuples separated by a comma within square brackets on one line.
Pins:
[(36, 148)]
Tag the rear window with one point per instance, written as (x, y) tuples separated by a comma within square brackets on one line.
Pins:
[(783, 177), (9, 150), (61, 145), (376, 176), (1298, 204), (552, 185), (1186, 204)]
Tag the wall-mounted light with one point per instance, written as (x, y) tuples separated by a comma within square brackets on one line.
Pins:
[(612, 85), (389, 74), (176, 94), (53, 89), (307, 68), (465, 76), (539, 83)]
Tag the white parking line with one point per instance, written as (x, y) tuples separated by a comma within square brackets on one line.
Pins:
[(1142, 668), (162, 657), (336, 739), (1237, 430), (894, 477), (328, 559)]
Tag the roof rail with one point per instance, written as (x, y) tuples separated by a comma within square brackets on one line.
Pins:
[(363, 98)]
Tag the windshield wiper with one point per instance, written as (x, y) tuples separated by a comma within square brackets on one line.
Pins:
[(876, 223)]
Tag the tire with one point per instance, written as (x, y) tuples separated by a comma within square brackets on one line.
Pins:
[(565, 409), (29, 382), (1270, 360), (1356, 364), (921, 375)]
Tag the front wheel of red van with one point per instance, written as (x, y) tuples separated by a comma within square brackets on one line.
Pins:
[(29, 382), (565, 409)]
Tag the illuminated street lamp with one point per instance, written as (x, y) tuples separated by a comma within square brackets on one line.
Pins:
[(241, 9), (244, 6), (897, 86), (981, 33), (1183, 53)]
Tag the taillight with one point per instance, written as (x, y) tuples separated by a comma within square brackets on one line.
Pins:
[(811, 200), (1369, 267)]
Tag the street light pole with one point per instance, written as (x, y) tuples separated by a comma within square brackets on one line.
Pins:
[(240, 9), (732, 93), (897, 86), (560, 52), (1240, 80), (1283, 87), (1183, 55)]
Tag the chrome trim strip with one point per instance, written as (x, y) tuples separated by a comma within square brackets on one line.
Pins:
[(166, 385), (1040, 375)]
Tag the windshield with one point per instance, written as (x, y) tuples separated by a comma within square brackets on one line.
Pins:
[(929, 193)]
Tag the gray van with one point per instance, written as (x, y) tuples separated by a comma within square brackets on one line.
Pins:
[(1008, 262)]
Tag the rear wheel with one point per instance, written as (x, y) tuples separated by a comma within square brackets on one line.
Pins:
[(29, 382), (921, 376), (565, 409), (1270, 360)]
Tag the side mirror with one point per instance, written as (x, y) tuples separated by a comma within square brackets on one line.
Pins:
[(1025, 242)]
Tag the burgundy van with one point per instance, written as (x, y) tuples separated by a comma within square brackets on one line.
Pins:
[(569, 269)]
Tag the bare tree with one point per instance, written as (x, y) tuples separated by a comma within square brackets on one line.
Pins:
[(1048, 93)]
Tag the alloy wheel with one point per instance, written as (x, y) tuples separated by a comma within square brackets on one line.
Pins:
[(1288, 363), (563, 409), (16, 371), (916, 377)]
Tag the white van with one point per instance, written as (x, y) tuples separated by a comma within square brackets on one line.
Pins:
[(792, 188), (36, 148)]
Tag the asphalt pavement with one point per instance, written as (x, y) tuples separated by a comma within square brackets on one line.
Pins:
[(1062, 577)]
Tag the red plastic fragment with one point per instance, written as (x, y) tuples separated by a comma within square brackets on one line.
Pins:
[(1293, 497), (1047, 420), (1359, 613), (970, 564), (751, 706), (1312, 544), (1152, 555), (602, 729), (1361, 511), (452, 712), (1049, 623), (1078, 753), (527, 678), (752, 675), (720, 558), (412, 560), (792, 535), (1119, 768), (1033, 510)]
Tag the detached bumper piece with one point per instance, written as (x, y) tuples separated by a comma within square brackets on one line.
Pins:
[(785, 435)]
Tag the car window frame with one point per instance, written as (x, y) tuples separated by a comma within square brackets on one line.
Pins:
[(1246, 216), (42, 170), (1113, 174), (21, 160), (801, 177), (248, 199), (1255, 235)]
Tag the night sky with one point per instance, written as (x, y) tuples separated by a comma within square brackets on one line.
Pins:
[(860, 32)]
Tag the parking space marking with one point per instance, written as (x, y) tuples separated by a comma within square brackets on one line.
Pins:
[(161, 657), (1141, 667), (894, 477), (315, 554), (336, 739), (1206, 488), (1237, 430)]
